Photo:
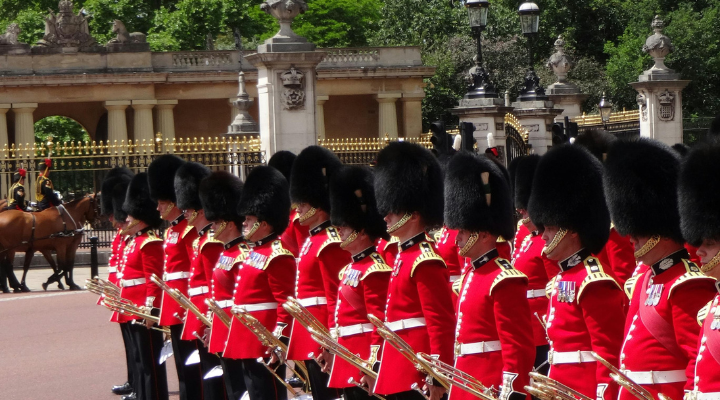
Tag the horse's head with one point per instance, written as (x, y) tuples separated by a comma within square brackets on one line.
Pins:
[(92, 210), (118, 26)]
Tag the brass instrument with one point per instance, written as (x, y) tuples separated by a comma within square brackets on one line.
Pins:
[(182, 300), (623, 380), (303, 316), (102, 287), (547, 392), (400, 345), (553, 388), (124, 306), (219, 312), (352, 381), (459, 378)]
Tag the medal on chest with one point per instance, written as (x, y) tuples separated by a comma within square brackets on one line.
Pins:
[(256, 260), (396, 266), (352, 278), (566, 291), (225, 263), (306, 247), (173, 237), (654, 293)]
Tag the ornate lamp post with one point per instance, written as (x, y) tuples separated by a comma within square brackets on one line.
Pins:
[(605, 107), (530, 23), (480, 86)]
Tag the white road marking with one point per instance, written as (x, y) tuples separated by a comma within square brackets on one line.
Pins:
[(38, 296)]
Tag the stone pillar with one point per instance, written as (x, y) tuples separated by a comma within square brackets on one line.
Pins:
[(412, 114), (143, 122), (388, 114), (117, 121), (537, 117), (233, 110), (166, 119), (4, 142), (320, 116), (24, 123), (488, 117)]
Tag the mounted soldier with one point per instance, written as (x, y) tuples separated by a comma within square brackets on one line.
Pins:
[(45, 192), (16, 195)]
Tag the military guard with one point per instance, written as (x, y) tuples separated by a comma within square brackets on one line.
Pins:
[(409, 192), (16, 194), (446, 247), (205, 253), (44, 190), (219, 196), (493, 335), (661, 331), (264, 281), (177, 245), (320, 260), (295, 234), (143, 257), (586, 303)]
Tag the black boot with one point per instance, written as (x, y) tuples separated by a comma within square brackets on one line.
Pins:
[(125, 388), (24, 287), (131, 396)]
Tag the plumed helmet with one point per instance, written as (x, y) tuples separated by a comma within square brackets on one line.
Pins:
[(283, 161), (353, 204), (310, 178), (219, 196), (699, 194), (408, 179), (45, 164), (114, 176), (477, 196), (640, 181), (524, 174), (117, 197), (596, 142), (138, 203), (187, 185), (567, 192), (267, 197), (161, 177)]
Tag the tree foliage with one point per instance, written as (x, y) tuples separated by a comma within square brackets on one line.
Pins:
[(62, 129)]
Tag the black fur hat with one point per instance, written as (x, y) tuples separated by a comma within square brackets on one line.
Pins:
[(219, 195), (113, 177), (161, 177), (699, 194), (640, 181), (466, 204), (567, 192), (714, 129), (352, 199), (310, 178), (408, 179), (117, 198), (187, 185), (524, 174), (681, 148), (266, 196), (138, 203), (283, 161), (596, 142)]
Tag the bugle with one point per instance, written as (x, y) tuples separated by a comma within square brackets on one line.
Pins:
[(303, 316), (219, 312), (182, 300), (549, 385), (458, 378), (623, 380)]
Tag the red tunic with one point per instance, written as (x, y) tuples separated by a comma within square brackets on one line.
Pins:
[(388, 249), (520, 234), (113, 261), (418, 295), (583, 316), (295, 234), (263, 281), (449, 251), (178, 246), (530, 261), (363, 290), (707, 366), (206, 252), (316, 285), (692, 250), (142, 257), (662, 335), (222, 286), (493, 309), (621, 256)]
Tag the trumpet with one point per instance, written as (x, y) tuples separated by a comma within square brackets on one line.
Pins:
[(303, 316), (553, 388), (219, 312), (458, 378), (623, 380), (182, 300)]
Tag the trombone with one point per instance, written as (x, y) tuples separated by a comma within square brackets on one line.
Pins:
[(124, 306), (303, 316), (623, 380), (458, 378), (548, 388), (219, 312), (182, 300)]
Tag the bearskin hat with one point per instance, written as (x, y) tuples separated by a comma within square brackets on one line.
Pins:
[(219, 196), (267, 197), (567, 192), (681, 148), (138, 203), (640, 181), (408, 179), (699, 194), (114, 176), (714, 129), (467, 196), (161, 177), (596, 142), (283, 161), (524, 174), (117, 197), (353, 204), (187, 185), (310, 178)]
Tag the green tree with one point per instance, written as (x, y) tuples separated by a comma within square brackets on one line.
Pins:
[(62, 129)]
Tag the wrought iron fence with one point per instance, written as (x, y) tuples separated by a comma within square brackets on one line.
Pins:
[(364, 151)]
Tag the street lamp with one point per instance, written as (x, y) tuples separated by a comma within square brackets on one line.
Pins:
[(480, 86), (605, 107), (530, 23)]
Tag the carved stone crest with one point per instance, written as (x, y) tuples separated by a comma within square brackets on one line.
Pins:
[(641, 100), (66, 29), (10, 37), (293, 95), (667, 106), (124, 36)]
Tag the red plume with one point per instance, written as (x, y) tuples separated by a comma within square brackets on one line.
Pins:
[(22, 172), (48, 162)]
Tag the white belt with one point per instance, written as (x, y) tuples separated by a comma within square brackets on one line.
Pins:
[(194, 291), (132, 282), (655, 377), (405, 324), (312, 301), (354, 329), (225, 303), (173, 276), (570, 357), (112, 270), (256, 307), (463, 349), (453, 278), (535, 293), (705, 396)]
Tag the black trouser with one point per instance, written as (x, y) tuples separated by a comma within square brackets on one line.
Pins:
[(541, 356), (408, 395), (260, 383), (189, 376), (132, 377), (319, 382), (213, 388), (355, 393), (233, 378), (7, 275), (153, 376)]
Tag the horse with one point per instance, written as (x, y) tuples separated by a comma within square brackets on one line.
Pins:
[(49, 229)]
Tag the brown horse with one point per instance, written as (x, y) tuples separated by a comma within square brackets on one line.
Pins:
[(48, 230)]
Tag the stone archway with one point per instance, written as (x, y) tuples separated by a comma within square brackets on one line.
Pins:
[(61, 128)]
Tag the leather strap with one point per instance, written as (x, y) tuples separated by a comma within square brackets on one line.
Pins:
[(132, 282), (658, 327), (312, 301), (225, 303), (257, 306), (570, 357), (173, 276), (356, 301), (535, 293), (405, 324), (464, 349), (354, 329), (195, 291)]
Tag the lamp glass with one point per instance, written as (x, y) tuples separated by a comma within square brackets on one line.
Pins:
[(605, 109), (530, 23), (478, 16)]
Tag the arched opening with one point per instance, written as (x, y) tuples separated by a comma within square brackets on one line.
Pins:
[(62, 129)]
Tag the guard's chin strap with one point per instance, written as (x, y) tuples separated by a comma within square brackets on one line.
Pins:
[(400, 223), (649, 245), (220, 228), (472, 239), (252, 231), (345, 243), (168, 209), (711, 264), (192, 217), (559, 236), (130, 226), (307, 214)]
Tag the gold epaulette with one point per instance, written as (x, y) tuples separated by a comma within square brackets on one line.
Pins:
[(296, 217), (500, 239), (427, 253), (457, 285), (244, 251), (151, 237), (379, 265), (277, 251), (342, 271), (630, 285), (393, 240), (333, 236), (430, 238), (507, 272), (595, 273), (187, 230), (703, 313), (550, 286), (692, 272), (210, 239), (438, 234)]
